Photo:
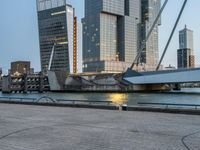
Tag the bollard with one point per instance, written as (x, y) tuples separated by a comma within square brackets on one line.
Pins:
[(120, 107), (124, 107)]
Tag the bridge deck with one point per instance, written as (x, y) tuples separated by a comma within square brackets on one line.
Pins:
[(159, 77)]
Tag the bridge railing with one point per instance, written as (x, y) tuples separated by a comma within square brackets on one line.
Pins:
[(167, 105)]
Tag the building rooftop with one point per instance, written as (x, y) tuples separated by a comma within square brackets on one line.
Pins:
[(48, 4)]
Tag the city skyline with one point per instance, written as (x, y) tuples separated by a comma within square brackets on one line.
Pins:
[(19, 35)]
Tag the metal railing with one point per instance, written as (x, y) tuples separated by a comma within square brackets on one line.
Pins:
[(46, 99), (167, 105), (84, 101), (21, 99)]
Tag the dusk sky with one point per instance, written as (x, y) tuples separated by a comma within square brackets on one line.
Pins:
[(19, 30)]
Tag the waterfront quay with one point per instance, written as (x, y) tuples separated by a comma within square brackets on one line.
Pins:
[(25, 127)]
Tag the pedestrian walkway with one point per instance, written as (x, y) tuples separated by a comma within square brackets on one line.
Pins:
[(24, 127)]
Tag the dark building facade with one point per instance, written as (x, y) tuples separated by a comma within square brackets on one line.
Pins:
[(1, 72), (55, 22), (183, 56), (110, 34), (21, 67)]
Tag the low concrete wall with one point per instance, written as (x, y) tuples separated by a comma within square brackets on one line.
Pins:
[(110, 107)]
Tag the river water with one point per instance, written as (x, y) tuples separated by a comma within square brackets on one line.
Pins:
[(185, 96)]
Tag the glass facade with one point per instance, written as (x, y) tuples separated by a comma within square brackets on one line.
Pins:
[(150, 55), (108, 37), (110, 34), (183, 56), (48, 4), (55, 22)]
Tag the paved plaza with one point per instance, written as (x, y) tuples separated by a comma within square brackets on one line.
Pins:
[(52, 128)]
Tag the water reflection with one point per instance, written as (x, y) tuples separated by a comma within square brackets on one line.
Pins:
[(118, 99)]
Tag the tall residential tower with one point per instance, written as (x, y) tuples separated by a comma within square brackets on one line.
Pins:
[(185, 53), (56, 27), (110, 34)]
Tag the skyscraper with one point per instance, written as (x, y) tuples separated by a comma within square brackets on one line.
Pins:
[(56, 26), (110, 34), (185, 53), (1, 72), (150, 55)]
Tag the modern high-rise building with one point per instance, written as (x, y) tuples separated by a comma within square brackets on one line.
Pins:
[(150, 54), (1, 72), (56, 27), (110, 34), (185, 53)]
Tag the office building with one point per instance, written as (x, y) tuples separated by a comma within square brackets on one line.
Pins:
[(149, 12), (185, 53), (110, 34), (56, 27), (183, 58), (21, 67)]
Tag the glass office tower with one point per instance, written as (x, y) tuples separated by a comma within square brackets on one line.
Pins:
[(55, 22), (110, 34), (150, 55)]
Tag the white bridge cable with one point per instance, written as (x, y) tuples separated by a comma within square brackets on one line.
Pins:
[(51, 57), (149, 34), (172, 33)]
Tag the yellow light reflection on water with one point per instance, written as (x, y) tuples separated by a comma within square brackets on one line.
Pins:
[(118, 99)]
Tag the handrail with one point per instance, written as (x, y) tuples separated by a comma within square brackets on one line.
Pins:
[(170, 104), (37, 100), (83, 101), (18, 98)]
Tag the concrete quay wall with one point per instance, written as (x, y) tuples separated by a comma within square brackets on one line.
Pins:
[(108, 107)]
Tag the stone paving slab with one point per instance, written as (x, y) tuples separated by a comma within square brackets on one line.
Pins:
[(53, 128)]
